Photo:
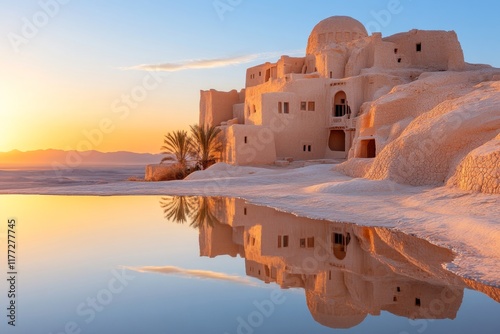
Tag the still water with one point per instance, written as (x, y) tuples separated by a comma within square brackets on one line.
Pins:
[(175, 264)]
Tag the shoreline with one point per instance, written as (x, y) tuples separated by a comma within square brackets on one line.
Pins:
[(457, 220)]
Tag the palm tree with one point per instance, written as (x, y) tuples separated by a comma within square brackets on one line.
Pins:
[(179, 144), (206, 144)]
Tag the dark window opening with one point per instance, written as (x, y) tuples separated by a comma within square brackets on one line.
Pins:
[(398, 289), (395, 50), (303, 105), (254, 108), (338, 239), (368, 149), (303, 243), (282, 241), (304, 148), (308, 148), (331, 74), (259, 271), (395, 299), (268, 74), (340, 243), (280, 107), (246, 139), (310, 242), (253, 241), (286, 107), (245, 211), (419, 47), (417, 301), (260, 74), (399, 60), (311, 106), (330, 275), (340, 105)]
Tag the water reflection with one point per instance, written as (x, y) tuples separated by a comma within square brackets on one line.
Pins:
[(347, 271), (198, 211)]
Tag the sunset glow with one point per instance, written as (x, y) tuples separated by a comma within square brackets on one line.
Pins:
[(64, 76)]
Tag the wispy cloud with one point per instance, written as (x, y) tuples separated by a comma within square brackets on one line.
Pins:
[(212, 63), (193, 273)]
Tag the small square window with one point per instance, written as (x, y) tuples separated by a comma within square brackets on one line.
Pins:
[(395, 299), (310, 242), (303, 105), (417, 301), (286, 108), (303, 243), (419, 47), (399, 60), (311, 106), (398, 289)]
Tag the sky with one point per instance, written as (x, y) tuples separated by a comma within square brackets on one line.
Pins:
[(76, 74)]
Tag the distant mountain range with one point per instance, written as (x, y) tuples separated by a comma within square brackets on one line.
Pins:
[(75, 159)]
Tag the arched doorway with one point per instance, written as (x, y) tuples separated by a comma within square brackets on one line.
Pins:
[(340, 243), (340, 105)]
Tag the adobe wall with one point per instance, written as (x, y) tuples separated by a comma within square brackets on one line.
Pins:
[(249, 145), (439, 50), (217, 106)]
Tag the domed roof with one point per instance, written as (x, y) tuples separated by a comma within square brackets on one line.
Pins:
[(333, 313), (335, 29)]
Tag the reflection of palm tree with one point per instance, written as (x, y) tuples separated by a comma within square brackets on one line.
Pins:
[(204, 215), (177, 208), (198, 210)]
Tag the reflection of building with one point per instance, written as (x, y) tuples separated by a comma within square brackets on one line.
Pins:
[(308, 107), (347, 271)]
